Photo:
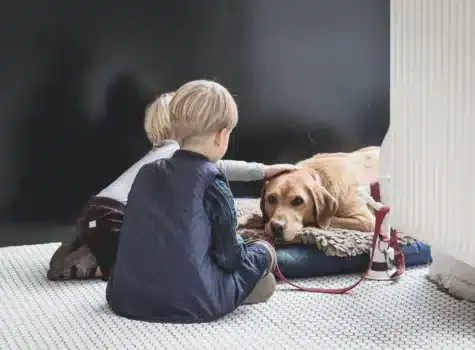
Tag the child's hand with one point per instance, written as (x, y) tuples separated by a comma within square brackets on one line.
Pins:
[(273, 170)]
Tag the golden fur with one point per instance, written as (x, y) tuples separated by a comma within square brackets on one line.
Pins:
[(321, 193)]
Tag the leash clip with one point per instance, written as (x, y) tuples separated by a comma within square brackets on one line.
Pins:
[(390, 261)]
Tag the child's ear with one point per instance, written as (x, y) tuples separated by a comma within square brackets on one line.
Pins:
[(221, 136)]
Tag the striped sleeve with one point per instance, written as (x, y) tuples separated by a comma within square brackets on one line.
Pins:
[(227, 252)]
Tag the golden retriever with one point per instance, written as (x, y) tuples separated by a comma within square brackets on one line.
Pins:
[(321, 193)]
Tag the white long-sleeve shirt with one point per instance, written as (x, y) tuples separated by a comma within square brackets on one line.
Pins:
[(234, 170)]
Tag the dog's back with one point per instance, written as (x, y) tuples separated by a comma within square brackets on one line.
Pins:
[(360, 167), (341, 173)]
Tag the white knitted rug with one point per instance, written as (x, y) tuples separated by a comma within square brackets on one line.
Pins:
[(411, 314), (453, 276)]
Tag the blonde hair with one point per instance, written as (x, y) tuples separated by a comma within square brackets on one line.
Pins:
[(157, 119), (200, 107)]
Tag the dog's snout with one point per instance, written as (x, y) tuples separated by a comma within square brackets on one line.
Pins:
[(277, 229)]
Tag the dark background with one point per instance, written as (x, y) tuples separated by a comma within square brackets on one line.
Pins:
[(309, 76)]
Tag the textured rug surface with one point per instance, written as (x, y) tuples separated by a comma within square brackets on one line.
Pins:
[(38, 314), (333, 242), (453, 276)]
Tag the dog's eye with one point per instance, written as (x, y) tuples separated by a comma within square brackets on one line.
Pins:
[(297, 201), (271, 199)]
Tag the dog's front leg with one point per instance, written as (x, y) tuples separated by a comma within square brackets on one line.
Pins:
[(252, 221), (361, 223)]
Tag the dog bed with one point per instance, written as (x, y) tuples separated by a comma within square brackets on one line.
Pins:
[(316, 252)]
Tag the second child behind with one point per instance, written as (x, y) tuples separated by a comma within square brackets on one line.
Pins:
[(178, 258)]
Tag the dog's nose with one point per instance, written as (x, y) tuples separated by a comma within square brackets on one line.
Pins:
[(277, 229)]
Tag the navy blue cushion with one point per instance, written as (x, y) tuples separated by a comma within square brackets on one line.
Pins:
[(304, 261)]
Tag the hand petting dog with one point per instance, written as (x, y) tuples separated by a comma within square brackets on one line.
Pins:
[(276, 169)]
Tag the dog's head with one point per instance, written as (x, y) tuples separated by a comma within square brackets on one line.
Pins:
[(293, 200)]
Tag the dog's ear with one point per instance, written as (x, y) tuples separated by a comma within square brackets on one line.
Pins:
[(265, 218), (325, 206)]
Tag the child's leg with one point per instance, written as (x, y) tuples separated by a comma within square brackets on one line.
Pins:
[(73, 259), (102, 229), (104, 247), (256, 274), (92, 252)]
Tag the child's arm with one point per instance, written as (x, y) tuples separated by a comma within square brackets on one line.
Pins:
[(237, 170), (227, 251)]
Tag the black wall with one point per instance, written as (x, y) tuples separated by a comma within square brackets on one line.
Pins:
[(309, 76)]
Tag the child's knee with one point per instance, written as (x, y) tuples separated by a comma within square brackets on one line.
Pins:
[(266, 249)]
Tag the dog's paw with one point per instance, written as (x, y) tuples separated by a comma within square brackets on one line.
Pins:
[(253, 221)]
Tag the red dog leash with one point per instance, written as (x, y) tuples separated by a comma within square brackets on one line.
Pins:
[(399, 257)]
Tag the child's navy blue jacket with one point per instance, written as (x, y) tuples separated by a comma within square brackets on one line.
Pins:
[(164, 270)]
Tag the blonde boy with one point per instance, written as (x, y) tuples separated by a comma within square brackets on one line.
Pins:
[(178, 258)]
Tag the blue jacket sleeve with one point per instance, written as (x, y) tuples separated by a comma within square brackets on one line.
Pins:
[(227, 251)]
